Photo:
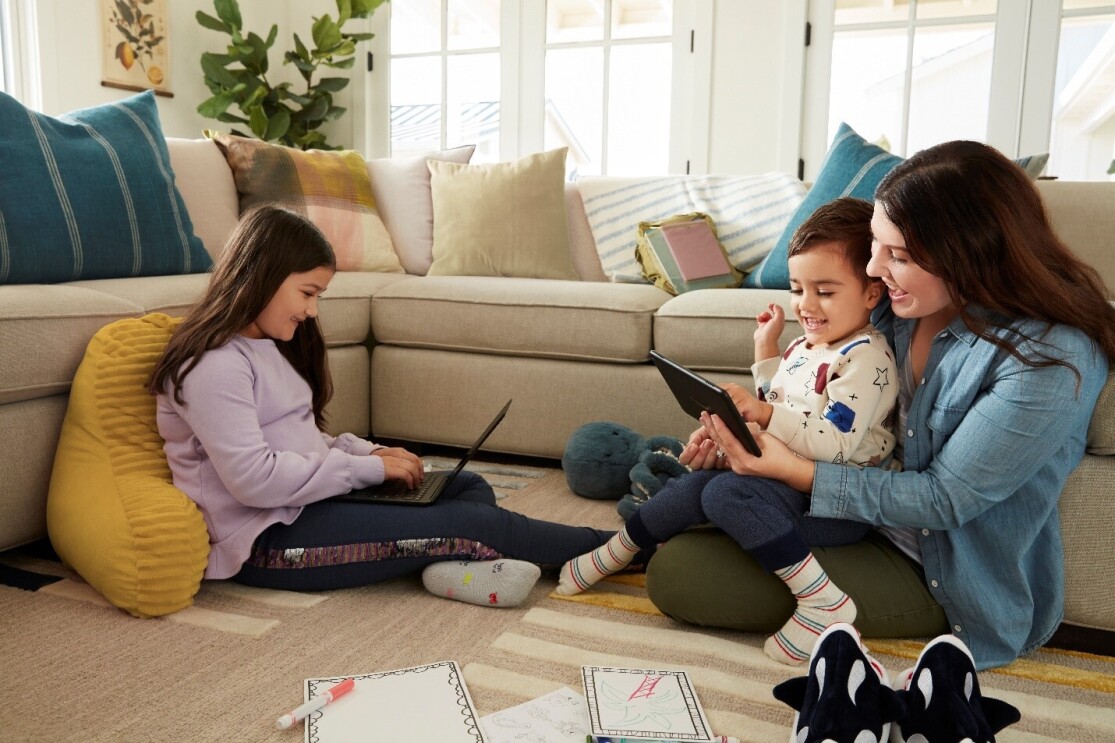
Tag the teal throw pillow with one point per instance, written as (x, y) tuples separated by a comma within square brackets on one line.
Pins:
[(852, 167), (90, 195)]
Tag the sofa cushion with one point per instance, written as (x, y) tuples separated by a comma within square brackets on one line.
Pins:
[(535, 317), (401, 186), (501, 219), (90, 194), (330, 188), (113, 514), (205, 182), (749, 213), (582, 246), (43, 334), (712, 329)]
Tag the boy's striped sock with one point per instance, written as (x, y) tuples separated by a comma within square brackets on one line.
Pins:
[(581, 572), (820, 604)]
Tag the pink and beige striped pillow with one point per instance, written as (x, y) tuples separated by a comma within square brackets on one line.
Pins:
[(329, 187)]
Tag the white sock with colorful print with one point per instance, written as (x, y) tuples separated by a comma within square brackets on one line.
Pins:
[(820, 604), (582, 572), (500, 583)]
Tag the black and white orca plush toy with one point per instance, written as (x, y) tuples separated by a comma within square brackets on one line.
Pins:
[(942, 698), (847, 695)]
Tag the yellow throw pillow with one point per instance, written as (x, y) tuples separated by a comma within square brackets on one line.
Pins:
[(112, 512), (502, 219), (330, 188)]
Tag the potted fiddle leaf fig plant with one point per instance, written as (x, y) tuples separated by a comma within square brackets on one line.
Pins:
[(280, 112)]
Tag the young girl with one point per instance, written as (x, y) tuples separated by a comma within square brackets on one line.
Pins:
[(1003, 338), (242, 388), (829, 397)]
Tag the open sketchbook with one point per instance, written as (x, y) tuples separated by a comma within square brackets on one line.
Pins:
[(424, 703), (641, 704)]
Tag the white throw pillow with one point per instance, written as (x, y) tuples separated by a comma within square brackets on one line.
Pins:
[(401, 186)]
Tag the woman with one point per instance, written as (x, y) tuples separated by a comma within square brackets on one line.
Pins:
[(1002, 338)]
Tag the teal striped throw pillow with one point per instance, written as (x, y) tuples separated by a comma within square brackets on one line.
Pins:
[(90, 195)]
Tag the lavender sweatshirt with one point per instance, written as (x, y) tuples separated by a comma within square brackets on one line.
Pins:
[(246, 450)]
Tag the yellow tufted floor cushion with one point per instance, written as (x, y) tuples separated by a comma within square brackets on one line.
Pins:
[(113, 514)]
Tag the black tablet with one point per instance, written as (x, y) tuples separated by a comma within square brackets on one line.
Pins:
[(697, 395)]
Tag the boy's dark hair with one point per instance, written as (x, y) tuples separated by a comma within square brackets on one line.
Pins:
[(268, 245), (845, 221)]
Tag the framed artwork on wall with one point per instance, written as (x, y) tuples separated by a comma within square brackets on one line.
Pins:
[(135, 45)]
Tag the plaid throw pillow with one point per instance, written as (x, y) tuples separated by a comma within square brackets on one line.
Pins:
[(330, 188)]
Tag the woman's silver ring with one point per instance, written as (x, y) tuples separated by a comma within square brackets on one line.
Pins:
[(719, 453)]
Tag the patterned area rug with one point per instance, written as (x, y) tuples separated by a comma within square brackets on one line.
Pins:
[(78, 669)]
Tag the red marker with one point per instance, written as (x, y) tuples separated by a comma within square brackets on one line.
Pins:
[(298, 714)]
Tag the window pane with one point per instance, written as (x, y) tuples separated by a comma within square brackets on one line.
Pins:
[(473, 112), (633, 19), (575, 107), (415, 105), (1082, 146), (574, 20), (473, 24), (639, 110), (868, 76), (1086, 4), (415, 26), (951, 90), (871, 11), (955, 8)]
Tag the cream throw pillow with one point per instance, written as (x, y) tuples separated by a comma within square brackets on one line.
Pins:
[(502, 219)]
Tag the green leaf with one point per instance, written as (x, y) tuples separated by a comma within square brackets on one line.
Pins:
[(271, 35), (277, 126), (210, 22), (332, 84), (258, 121), (214, 70), (125, 12), (229, 12), (314, 112), (344, 11), (327, 34), (301, 100), (341, 64), (232, 119), (215, 106), (363, 8), (303, 52), (334, 113), (360, 37)]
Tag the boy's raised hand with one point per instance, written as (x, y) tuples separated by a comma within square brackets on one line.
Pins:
[(771, 322)]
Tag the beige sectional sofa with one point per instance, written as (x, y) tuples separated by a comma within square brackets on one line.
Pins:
[(431, 358)]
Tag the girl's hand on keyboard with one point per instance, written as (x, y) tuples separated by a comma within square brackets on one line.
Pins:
[(400, 464)]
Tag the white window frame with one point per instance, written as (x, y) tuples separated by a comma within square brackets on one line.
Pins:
[(523, 80), (22, 77), (1022, 79)]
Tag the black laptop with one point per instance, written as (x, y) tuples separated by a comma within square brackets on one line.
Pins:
[(434, 484), (696, 395)]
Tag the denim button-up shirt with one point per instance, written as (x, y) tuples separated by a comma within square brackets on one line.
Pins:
[(989, 442)]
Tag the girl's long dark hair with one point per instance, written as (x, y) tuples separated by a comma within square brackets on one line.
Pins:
[(975, 219), (267, 246)]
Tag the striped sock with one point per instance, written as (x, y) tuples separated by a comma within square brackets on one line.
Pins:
[(581, 572), (820, 604)]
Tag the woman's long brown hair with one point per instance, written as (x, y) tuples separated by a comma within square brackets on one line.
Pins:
[(975, 219), (267, 246)]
